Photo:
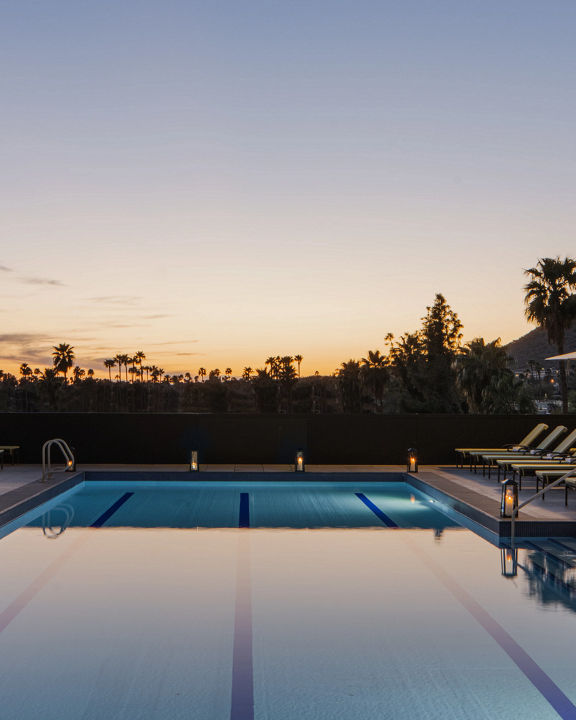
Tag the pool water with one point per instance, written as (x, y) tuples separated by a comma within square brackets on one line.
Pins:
[(131, 601)]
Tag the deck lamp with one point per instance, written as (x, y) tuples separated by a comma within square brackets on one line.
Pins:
[(509, 559), (194, 467), (299, 465), (509, 499), (412, 460), (71, 462)]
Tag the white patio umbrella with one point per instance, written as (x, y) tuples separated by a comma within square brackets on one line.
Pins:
[(566, 356)]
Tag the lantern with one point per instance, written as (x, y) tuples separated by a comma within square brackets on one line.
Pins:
[(299, 465), (509, 560), (509, 499), (71, 462), (194, 466), (412, 460)]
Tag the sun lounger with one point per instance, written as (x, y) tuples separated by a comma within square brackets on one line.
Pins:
[(549, 475), (544, 446), (561, 453), (11, 450), (526, 441)]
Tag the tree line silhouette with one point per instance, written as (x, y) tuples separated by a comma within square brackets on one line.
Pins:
[(428, 370)]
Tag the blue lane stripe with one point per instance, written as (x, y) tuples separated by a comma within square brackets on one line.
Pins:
[(376, 510), (244, 517), (111, 510), (533, 672), (242, 699)]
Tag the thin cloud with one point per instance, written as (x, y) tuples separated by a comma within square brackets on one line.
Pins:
[(33, 280), (172, 342), (117, 299), (23, 338), (41, 281), (24, 347)]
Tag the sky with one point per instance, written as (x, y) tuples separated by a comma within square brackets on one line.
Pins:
[(217, 182)]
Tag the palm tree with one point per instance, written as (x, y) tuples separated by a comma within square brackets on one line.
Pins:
[(202, 373), (63, 358), (374, 371), (109, 363), (138, 357), (298, 359), (125, 359), (551, 304), (118, 359), (479, 369), (272, 362), (25, 371), (228, 373), (246, 373)]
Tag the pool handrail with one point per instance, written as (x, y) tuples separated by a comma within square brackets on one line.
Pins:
[(517, 509), (47, 456)]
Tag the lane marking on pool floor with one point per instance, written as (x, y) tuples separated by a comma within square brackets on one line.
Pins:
[(242, 696), (376, 510), (244, 515), (111, 510), (29, 593), (523, 661)]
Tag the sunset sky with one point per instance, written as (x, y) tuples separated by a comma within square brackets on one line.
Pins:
[(216, 182)]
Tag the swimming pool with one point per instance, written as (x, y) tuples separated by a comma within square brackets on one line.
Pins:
[(240, 602)]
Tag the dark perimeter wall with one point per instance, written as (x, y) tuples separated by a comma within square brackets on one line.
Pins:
[(339, 439)]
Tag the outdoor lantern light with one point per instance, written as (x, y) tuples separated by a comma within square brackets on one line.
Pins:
[(71, 462), (299, 464), (194, 467), (412, 460), (509, 500), (509, 558)]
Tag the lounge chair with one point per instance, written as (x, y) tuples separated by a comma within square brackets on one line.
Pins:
[(526, 441), (11, 450), (544, 446), (563, 452), (549, 475)]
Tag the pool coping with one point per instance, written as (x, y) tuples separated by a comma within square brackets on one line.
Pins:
[(472, 505)]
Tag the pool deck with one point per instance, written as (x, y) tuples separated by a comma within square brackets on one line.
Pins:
[(468, 493)]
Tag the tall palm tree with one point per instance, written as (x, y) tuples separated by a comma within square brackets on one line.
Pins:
[(246, 373), (202, 373), (63, 358), (109, 363), (272, 362), (138, 357), (551, 304), (118, 359), (298, 359), (125, 359), (374, 372)]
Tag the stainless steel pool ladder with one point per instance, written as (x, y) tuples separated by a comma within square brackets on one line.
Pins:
[(570, 473), (47, 456)]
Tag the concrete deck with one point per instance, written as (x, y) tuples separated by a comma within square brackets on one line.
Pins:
[(466, 492)]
